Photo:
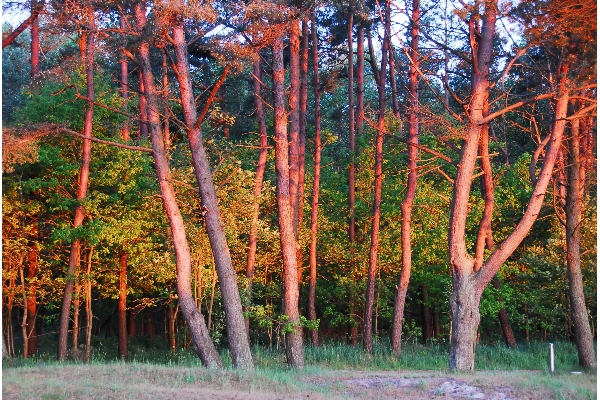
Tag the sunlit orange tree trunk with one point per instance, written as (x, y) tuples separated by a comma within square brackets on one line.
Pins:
[(285, 208), (378, 184), (237, 336), (202, 342), (88, 49), (470, 275), (411, 185)]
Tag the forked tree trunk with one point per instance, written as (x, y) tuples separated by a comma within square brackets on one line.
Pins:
[(202, 343), (294, 116), (411, 185), (258, 184), (89, 46), (122, 305), (312, 285), (573, 213), (237, 337), (293, 339), (373, 253), (469, 282)]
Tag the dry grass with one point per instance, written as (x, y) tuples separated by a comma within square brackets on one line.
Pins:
[(147, 381)]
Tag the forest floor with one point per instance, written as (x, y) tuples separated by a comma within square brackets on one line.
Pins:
[(118, 380)]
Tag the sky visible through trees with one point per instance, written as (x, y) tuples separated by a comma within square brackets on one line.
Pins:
[(218, 174)]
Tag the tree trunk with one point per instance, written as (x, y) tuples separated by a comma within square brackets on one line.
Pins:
[(76, 313), (427, 325), (507, 331), (293, 339), (411, 185), (573, 213), (88, 307), (171, 322), (203, 344), (314, 207), (24, 321), (32, 272), (124, 86), (360, 109), (237, 337), (302, 139), (468, 281), (373, 253), (258, 183), (122, 305), (131, 326), (84, 172), (35, 41), (143, 108), (294, 115)]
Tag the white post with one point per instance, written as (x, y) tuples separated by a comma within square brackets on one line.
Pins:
[(551, 357)]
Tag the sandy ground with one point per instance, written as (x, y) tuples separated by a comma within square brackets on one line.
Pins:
[(143, 381)]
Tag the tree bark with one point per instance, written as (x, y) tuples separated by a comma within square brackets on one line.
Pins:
[(237, 336), (360, 109), (411, 185), (202, 343), (573, 218), (302, 139), (24, 321), (285, 208), (258, 183), (507, 331), (124, 86), (314, 208), (89, 45), (294, 116), (373, 253), (122, 305), (143, 108), (32, 271), (35, 40), (468, 282), (88, 307)]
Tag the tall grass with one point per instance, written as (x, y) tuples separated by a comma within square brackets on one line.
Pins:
[(334, 356)]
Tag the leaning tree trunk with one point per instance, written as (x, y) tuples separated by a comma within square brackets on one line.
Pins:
[(573, 218), (293, 339), (411, 185), (237, 337), (89, 46), (373, 253), (258, 183), (202, 343), (314, 208)]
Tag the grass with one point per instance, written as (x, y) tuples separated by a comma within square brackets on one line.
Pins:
[(154, 370)]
